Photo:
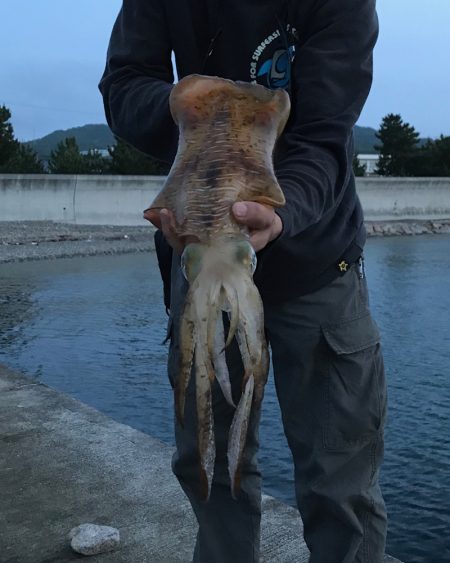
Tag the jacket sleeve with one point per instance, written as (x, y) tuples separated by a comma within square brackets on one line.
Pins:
[(138, 79), (331, 79)]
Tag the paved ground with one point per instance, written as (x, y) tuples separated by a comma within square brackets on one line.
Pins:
[(63, 463), (38, 240)]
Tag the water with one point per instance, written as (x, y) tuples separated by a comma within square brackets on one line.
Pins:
[(93, 327)]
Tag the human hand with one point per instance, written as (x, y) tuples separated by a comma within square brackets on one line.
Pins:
[(263, 223), (164, 219)]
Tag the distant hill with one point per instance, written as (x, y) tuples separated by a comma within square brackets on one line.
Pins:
[(88, 137), (365, 140), (100, 137)]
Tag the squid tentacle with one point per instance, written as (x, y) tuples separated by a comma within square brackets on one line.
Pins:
[(220, 363), (238, 434), (215, 289), (205, 425), (252, 321), (214, 298), (187, 347), (233, 300), (203, 306), (245, 353)]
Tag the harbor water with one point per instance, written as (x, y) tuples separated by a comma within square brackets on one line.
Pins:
[(93, 327)]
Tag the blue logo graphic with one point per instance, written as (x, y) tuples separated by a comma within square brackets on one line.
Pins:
[(278, 69)]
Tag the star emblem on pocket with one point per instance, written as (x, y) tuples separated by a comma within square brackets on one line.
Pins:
[(343, 266)]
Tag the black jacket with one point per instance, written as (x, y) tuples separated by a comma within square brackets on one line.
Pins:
[(320, 50)]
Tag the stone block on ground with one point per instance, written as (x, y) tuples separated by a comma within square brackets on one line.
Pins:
[(91, 539)]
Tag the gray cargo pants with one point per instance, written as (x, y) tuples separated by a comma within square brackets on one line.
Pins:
[(329, 378)]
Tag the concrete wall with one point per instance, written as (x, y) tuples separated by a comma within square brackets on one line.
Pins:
[(85, 200), (396, 199), (120, 200)]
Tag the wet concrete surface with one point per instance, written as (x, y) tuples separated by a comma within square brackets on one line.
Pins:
[(63, 463)]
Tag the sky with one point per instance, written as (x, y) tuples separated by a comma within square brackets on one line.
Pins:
[(52, 54)]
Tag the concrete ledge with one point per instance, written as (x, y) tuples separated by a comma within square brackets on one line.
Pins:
[(63, 463), (120, 200), (79, 199), (400, 199)]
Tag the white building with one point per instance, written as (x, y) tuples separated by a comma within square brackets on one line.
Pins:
[(102, 152), (370, 161)]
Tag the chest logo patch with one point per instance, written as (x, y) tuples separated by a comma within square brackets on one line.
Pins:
[(272, 66)]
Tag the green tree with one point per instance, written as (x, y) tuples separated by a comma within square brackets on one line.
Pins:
[(127, 160), (358, 168), (441, 154), (66, 158), (95, 163), (15, 157), (398, 146), (8, 144), (24, 161), (433, 158)]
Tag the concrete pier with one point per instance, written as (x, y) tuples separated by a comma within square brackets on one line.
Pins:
[(63, 463)]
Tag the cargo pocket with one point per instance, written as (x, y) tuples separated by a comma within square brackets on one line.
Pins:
[(355, 393)]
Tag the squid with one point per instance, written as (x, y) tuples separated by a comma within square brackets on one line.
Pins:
[(227, 134)]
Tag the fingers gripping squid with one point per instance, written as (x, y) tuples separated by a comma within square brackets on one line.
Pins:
[(227, 132)]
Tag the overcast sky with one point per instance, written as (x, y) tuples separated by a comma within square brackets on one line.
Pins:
[(52, 54)]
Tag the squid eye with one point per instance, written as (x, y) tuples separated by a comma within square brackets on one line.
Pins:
[(191, 261), (246, 255)]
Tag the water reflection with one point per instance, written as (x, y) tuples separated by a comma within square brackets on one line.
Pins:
[(16, 310)]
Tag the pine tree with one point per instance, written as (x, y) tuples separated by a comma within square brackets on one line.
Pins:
[(15, 157), (442, 156), (398, 146), (127, 160), (95, 163), (358, 168), (433, 158), (8, 144), (24, 161), (66, 158)]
